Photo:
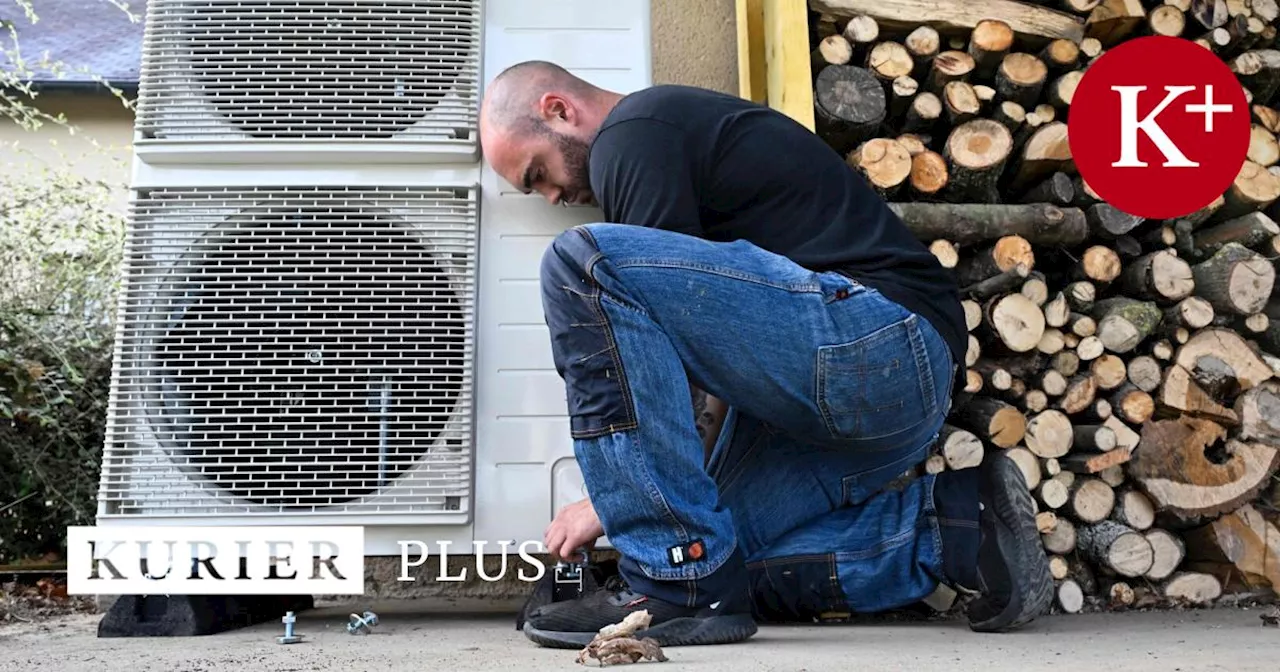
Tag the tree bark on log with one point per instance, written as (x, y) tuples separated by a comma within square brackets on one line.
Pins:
[(1132, 404), (1093, 439), (924, 113), (1020, 78), (1160, 276), (1258, 71), (959, 16), (923, 44), (1116, 548), (976, 153), (1124, 323), (1058, 189), (1108, 222), (1235, 280), (1192, 312), (990, 40), (987, 261), (992, 420), (971, 223)]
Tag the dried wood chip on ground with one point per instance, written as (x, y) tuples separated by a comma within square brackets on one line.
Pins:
[(616, 644)]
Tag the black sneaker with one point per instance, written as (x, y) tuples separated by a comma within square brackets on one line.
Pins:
[(550, 589), (574, 623), (1013, 568)]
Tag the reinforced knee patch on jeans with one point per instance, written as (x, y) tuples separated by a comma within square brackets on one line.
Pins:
[(583, 345)]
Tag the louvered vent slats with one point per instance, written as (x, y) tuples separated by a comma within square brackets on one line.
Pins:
[(286, 350), (311, 70)]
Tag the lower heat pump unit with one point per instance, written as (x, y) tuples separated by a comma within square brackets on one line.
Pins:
[(295, 350)]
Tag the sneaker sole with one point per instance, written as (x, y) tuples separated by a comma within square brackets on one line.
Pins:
[(675, 632), (1019, 540)]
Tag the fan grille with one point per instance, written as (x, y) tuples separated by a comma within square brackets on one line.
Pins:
[(295, 350), (311, 70)]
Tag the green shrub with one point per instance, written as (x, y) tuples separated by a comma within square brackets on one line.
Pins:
[(60, 246), (61, 239)]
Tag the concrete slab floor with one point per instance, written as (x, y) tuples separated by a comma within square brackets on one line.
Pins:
[(408, 639)]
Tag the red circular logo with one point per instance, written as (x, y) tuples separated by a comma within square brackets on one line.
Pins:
[(1159, 127)]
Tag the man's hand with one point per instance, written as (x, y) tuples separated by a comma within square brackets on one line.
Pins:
[(575, 526)]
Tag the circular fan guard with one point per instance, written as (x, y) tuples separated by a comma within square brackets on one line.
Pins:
[(303, 367), (302, 69)]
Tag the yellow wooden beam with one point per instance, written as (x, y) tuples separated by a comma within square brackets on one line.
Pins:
[(787, 59), (751, 62)]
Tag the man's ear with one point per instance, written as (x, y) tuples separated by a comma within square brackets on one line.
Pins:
[(556, 109)]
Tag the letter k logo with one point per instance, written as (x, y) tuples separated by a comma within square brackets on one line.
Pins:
[(1130, 125)]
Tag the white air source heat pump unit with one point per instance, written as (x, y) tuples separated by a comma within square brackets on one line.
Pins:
[(330, 309)]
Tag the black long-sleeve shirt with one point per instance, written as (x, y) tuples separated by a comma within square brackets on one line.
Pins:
[(723, 168)]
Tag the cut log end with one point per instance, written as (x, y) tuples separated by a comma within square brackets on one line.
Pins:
[(1116, 548), (1101, 264), (1018, 322), (885, 162), (1175, 470), (1070, 597), (978, 150), (890, 60), (1168, 551), (1196, 588)]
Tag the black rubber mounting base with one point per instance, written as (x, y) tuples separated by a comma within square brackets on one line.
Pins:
[(192, 615)]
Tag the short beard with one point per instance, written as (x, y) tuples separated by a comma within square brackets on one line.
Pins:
[(577, 159)]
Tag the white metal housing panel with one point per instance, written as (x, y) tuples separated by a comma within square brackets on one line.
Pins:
[(524, 464)]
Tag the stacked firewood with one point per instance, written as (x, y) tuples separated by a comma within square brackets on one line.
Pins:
[(1131, 367)]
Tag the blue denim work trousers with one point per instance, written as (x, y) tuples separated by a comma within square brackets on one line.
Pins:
[(834, 391)]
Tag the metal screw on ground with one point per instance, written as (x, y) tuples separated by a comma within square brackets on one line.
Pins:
[(289, 637), (361, 624)]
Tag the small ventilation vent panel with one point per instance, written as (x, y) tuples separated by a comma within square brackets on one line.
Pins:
[(311, 70)]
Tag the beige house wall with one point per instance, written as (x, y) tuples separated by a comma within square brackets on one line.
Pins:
[(694, 43)]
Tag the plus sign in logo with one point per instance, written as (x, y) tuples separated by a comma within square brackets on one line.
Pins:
[(1159, 127)]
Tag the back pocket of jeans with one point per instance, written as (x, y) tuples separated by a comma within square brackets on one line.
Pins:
[(877, 386)]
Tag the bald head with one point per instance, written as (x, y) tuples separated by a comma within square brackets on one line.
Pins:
[(537, 122)]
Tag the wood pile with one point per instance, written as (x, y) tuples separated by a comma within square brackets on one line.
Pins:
[(1130, 367)]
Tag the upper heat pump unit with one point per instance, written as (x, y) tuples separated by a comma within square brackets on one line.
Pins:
[(279, 77)]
